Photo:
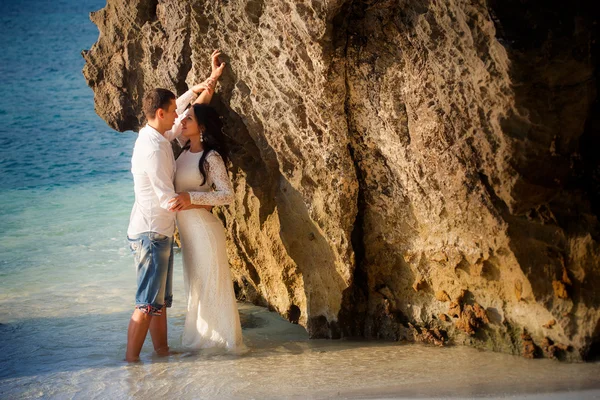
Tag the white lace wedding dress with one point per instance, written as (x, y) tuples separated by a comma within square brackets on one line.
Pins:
[(212, 318)]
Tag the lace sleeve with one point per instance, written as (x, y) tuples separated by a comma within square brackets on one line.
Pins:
[(217, 173)]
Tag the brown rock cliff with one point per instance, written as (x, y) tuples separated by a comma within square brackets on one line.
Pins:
[(393, 161)]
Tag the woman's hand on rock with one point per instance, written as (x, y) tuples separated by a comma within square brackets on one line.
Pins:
[(217, 66)]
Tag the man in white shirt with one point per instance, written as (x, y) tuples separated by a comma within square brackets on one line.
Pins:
[(152, 223)]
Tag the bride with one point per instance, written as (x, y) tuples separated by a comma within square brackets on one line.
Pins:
[(201, 179), (212, 318), (201, 182)]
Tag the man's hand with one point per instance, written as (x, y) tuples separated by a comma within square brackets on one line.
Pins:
[(217, 66), (180, 201), (183, 202)]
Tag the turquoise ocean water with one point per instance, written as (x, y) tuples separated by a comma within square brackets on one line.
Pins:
[(67, 278), (65, 191), (64, 174)]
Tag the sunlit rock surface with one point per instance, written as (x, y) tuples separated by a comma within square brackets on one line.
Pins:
[(418, 170)]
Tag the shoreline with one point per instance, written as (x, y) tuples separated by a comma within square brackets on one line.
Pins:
[(281, 363)]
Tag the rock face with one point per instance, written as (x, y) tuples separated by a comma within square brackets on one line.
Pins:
[(408, 170)]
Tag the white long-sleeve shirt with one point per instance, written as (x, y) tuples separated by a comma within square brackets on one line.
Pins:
[(153, 169)]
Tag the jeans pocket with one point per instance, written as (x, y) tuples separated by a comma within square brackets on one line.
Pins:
[(157, 237), (134, 244)]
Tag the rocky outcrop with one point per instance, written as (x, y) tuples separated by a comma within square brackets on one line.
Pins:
[(419, 170)]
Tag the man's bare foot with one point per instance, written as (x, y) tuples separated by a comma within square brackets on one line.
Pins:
[(132, 359)]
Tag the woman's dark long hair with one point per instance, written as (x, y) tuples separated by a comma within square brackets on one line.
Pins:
[(212, 137)]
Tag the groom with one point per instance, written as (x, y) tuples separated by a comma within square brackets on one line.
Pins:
[(152, 224)]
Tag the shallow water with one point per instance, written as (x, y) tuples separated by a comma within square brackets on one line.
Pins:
[(79, 357), (67, 278)]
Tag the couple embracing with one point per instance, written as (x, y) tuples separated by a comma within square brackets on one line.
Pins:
[(182, 191)]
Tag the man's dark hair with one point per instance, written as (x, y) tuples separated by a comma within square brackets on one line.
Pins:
[(155, 99)]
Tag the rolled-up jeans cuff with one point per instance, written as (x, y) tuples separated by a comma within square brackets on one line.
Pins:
[(168, 301), (149, 309)]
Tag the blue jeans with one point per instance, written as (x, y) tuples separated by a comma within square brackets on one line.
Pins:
[(153, 255)]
